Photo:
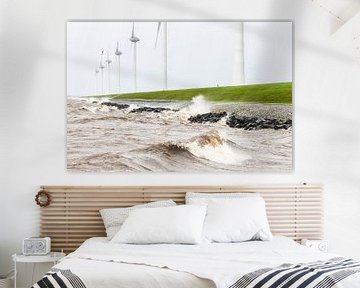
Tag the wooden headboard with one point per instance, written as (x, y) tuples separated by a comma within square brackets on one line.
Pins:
[(73, 215)]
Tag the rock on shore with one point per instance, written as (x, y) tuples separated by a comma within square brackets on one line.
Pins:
[(117, 105), (254, 117), (149, 109), (254, 123), (211, 117)]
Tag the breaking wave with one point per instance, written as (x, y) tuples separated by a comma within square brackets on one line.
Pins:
[(198, 105), (97, 99), (211, 146)]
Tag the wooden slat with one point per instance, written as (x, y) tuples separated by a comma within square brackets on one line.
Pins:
[(73, 216)]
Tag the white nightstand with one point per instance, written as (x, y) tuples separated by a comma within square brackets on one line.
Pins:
[(320, 245), (53, 257)]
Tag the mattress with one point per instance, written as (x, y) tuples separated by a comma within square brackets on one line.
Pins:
[(99, 263)]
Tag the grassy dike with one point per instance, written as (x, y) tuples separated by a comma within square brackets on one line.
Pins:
[(258, 93)]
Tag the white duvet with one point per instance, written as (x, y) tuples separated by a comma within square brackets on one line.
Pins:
[(100, 263)]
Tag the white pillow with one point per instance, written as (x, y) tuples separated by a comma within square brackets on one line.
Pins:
[(113, 218), (180, 224), (236, 220), (204, 198)]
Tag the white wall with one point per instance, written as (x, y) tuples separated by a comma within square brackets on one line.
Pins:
[(32, 115)]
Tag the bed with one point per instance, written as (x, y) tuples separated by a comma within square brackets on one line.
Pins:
[(99, 263), (294, 211)]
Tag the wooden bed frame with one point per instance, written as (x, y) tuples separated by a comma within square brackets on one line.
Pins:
[(73, 215)]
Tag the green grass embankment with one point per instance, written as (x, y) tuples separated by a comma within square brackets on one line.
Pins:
[(258, 93)]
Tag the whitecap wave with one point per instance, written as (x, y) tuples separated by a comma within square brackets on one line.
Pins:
[(97, 99), (94, 109), (89, 109), (212, 146), (215, 147), (198, 105)]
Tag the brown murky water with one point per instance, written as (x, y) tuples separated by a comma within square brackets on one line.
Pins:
[(102, 139)]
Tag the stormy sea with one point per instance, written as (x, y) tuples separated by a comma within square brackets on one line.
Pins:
[(177, 136)]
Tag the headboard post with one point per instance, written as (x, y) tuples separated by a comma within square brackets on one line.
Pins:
[(296, 211)]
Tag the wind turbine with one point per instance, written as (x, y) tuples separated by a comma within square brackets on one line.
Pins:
[(165, 62), (101, 67), (108, 62), (97, 80), (118, 53), (239, 70), (134, 40)]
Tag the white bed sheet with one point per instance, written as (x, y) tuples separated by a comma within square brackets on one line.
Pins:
[(106, 274), (100, 263), (101, 274)]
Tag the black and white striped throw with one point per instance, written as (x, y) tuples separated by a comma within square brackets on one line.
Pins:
[(59, 278), (320, 274)]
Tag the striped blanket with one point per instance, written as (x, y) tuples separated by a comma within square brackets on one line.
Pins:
[(59, 278), (320, 274)]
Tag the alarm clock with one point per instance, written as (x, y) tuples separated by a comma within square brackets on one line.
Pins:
[(36, 246), (320, 245)]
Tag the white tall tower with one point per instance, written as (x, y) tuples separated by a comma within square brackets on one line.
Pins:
[(165, 56), (108, 62), (101, 67), (118, 53), (239, 69), (97, 80), (134, 40)]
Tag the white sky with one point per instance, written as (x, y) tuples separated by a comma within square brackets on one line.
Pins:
[(200, 54)]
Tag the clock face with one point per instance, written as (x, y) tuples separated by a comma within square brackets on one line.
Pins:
[(40, 245)]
